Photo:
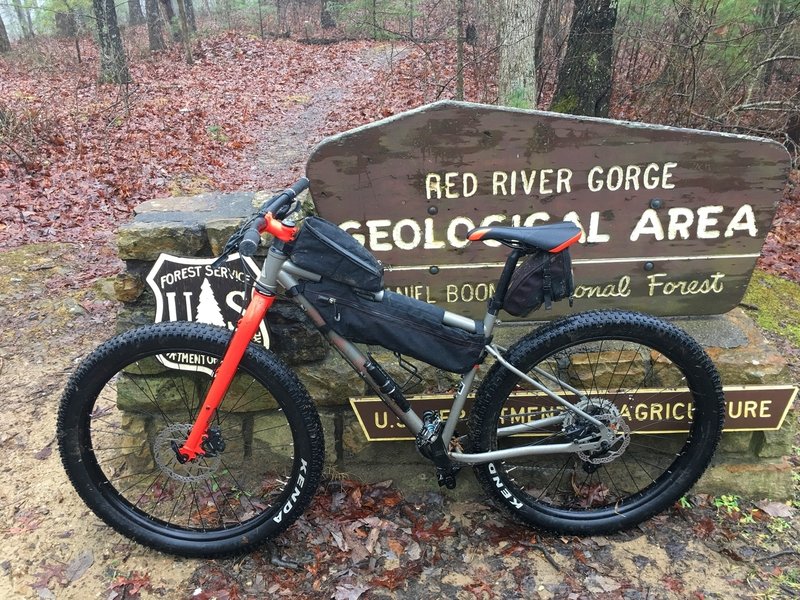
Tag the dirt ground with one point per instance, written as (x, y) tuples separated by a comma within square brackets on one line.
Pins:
[(358, 540)]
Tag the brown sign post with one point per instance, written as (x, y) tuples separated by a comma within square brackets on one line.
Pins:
[(673, 219)]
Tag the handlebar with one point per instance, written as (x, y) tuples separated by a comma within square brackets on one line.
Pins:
[(275, 204), (247, 238)]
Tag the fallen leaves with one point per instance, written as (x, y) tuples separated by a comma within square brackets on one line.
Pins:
[(79, 565), (776, 509)]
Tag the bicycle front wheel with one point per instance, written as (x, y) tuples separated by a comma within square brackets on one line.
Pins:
[(135, 398), (649, 382)]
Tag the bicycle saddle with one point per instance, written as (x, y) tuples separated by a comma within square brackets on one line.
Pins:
[(553, 237)]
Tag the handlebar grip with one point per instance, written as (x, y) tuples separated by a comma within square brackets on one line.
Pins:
[(250, 242), (299, 186), (251, 238), (274, 204)]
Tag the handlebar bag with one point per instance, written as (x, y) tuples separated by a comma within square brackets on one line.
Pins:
[(323, 248), (543, 278), (398, 323)]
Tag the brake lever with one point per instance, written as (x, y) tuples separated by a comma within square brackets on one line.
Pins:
[(287, 210)]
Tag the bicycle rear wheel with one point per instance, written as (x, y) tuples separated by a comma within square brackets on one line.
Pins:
[(136, 397), (642, 377)]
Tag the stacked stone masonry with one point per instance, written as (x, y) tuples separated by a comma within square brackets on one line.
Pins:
[(753, 464)]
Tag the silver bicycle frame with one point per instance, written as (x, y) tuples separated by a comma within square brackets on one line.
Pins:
[(278, 269)]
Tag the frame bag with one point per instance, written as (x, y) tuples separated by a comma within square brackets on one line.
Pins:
[(396, 322), (323, 248), (543, 278)]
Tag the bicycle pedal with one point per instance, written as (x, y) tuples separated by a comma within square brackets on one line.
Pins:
[(446, 478)]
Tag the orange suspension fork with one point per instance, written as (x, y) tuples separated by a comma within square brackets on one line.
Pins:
[(244, 332)]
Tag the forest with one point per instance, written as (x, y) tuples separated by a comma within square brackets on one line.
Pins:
[(104, 105)]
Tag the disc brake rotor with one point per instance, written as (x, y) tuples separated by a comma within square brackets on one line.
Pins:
[(195, 470), (605, 412)]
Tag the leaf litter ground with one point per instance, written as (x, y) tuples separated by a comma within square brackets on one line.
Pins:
[(245, 117)]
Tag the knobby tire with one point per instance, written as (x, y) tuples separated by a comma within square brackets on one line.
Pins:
[(627, 365), (124, 408)]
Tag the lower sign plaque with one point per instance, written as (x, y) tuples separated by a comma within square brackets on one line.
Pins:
[(748, 408)]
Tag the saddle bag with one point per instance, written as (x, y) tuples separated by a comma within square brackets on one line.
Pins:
[(401, 324), (543, 278), (323, 248)]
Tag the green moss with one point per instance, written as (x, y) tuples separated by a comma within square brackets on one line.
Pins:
[(566, 105), (775, 305)]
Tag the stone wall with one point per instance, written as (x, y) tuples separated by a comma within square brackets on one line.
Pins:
[(753, 464)]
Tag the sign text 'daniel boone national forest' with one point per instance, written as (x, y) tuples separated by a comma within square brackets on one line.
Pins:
[(672, 215)]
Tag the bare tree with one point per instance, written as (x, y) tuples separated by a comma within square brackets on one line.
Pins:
[(516, 75), (155, 32), (187, 45), (66, 25), (584, 79), (113, 62), (191, 21), (135, 16), (5, 43), (24, 18)]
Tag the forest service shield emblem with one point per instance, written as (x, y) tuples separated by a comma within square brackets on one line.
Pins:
[(190, 289)]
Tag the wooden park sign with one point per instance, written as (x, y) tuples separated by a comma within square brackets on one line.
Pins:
[(673, 219)]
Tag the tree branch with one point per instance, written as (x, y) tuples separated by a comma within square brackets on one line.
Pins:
[(774, 58)]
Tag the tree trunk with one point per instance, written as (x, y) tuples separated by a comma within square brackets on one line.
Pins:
[(326, 19), (516, 75), (674, 73), (168, 10), (537, 52), (460, 50), (113, 62), (171, 20), (23, 18), (280, 18), (191, 21), (584, 79), (5, 43), (187, 45), (30, 21), (135, 16), (66, 26), (155, 33)]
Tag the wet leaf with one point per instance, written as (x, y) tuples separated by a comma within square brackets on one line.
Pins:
[(391, 580), (79, 565), (704, 527), (776, 509), (130, 586), (347, 591)]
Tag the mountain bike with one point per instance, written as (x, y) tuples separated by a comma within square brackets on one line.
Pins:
[(192, 440)]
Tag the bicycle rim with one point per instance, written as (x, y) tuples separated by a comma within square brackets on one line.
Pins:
[(648, 382), (147, 407)]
